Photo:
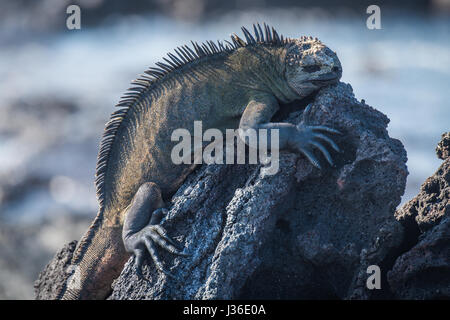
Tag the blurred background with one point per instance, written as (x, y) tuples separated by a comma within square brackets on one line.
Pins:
[(58, 88)]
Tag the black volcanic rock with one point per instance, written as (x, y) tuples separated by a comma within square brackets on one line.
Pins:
[(423, 272)]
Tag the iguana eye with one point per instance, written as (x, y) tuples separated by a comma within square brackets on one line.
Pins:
[(311, 69)]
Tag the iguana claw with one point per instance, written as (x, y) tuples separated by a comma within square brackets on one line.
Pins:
[(147, 239), (308, 137)]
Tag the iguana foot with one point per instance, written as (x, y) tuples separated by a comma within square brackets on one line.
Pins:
[(147, 240), (308, 137), (140, 237)]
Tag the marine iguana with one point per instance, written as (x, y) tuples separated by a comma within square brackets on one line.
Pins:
[(237, 84)]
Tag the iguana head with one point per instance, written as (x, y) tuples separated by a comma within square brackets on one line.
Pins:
[(311, 65)]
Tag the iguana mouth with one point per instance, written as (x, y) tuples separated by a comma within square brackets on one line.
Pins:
[(325, 82), (326, 79)]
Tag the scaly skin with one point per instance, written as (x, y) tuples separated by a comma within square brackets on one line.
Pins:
[(240, 86)]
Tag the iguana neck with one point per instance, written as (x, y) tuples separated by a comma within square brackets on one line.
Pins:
[(265, 67)]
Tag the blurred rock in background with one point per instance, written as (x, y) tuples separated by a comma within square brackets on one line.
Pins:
[(47, 15)]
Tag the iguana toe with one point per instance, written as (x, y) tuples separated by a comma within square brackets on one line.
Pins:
[(139, 255), (324, 151), (310, 156), (146, 240), (306, 139), (328, 140)]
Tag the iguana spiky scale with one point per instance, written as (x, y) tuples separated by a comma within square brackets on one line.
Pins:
[(224, 85)]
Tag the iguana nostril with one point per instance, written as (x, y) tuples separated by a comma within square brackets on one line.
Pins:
[(336, 69)]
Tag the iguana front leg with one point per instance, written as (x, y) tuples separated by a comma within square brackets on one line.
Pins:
[(141, 230), (302, 138)]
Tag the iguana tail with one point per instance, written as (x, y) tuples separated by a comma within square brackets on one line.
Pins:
[(98, 260)]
